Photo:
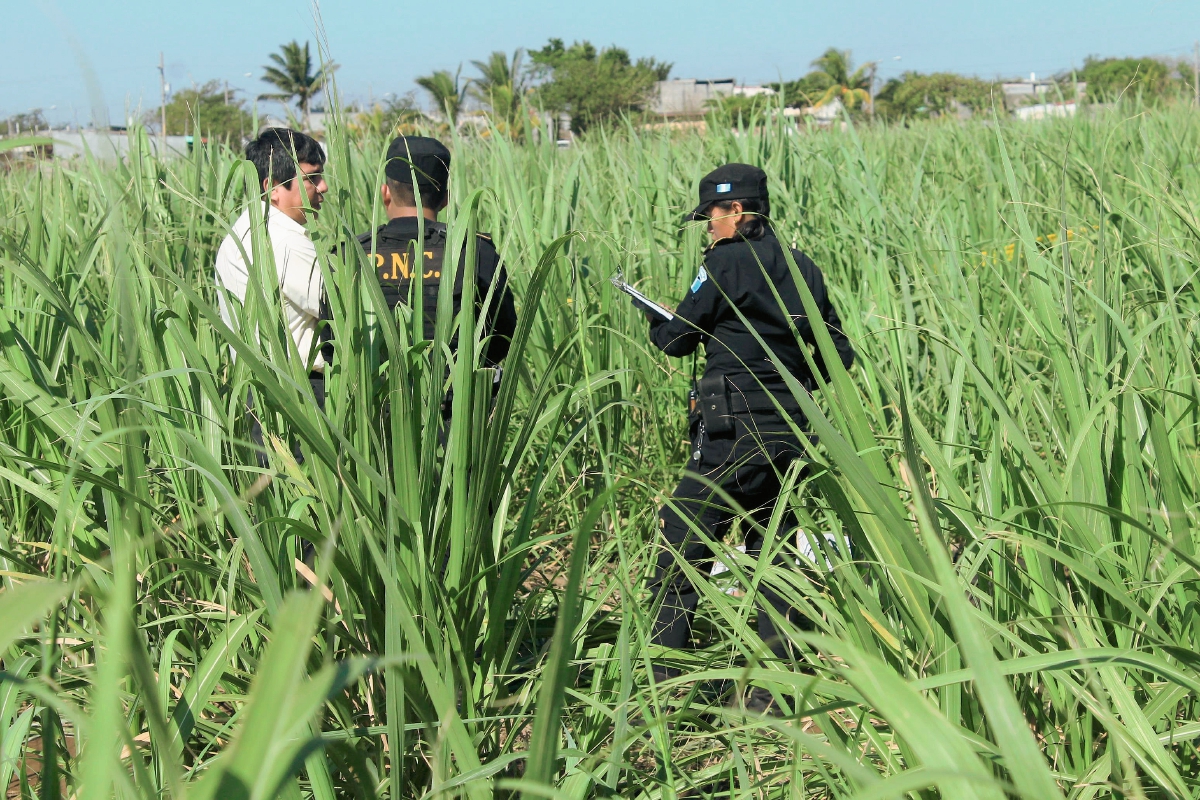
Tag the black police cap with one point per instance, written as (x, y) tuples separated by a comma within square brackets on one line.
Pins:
[(427, 157), (730, 182)]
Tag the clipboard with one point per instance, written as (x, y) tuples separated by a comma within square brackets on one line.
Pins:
[(618, 281)]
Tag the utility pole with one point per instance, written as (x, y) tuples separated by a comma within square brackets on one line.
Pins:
[(162, 84), (871, 90), (226, 92)]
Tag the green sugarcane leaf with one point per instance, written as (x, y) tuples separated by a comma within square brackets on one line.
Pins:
[(196, 693), (26, 604)]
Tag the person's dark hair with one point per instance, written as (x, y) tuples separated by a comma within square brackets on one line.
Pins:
[(276, 152), (755, 225), (403, 194)]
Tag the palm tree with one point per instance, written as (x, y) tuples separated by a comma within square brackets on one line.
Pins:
[(293, 76), (501, 86), (851, 88), (446, 92)]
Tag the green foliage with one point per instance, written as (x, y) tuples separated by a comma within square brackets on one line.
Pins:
[(24, 123), (805, 91), (1109, 78), (203, 111), (501, 88), (851, 86), (594, 86), (16, 143), (916, 96), (386, 118), (293, 75), (1009, 473), (834, 76), (734, 108), (446, 91)]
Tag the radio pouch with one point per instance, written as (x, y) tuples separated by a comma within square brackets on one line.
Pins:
[(714, 406)]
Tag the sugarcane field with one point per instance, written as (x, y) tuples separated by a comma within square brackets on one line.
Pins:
[(498, 451)]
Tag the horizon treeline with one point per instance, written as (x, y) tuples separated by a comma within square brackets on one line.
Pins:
[(600, 86)]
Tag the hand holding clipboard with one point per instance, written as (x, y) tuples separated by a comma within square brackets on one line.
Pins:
[(618, 281)]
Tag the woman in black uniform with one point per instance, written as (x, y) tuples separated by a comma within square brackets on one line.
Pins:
[(740, 443)]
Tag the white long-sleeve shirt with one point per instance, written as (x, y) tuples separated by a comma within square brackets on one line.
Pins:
[(300, 280)]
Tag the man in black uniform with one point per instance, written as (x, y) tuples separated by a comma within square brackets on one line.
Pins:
[(739, 441), (397, 254)]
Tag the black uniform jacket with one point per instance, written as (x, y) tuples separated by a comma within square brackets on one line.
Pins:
[(747, 274), (396, 262)]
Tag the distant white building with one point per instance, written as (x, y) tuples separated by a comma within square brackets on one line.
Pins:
[(109, 145), (1025, 89), (690, 97), (1023, 93), (753, 91), (1045, 110)]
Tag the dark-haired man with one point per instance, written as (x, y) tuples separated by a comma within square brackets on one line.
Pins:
[(289, 166), (290, 175), (421, 165)]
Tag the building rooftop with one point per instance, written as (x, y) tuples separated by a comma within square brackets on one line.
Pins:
[(688, 97)]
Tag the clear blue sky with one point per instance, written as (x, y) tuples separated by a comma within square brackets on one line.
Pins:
[(55, 49)]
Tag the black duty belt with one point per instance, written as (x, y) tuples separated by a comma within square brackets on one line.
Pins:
[(762, 403), (720, 400)]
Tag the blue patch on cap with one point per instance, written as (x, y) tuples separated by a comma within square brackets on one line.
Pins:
[(701, 277), (722, 188)]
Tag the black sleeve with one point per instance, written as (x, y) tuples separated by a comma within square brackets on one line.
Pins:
[(502, 313), (833, 323), (695, 318)]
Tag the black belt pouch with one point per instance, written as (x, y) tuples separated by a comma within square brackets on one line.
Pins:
[(714, 406)]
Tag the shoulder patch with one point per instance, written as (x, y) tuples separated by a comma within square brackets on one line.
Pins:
[(487, 236), (701, 277)]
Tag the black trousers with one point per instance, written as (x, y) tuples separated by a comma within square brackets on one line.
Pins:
[(316, 381), (746, 466)]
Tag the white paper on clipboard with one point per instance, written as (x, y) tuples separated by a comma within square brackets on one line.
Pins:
[(619, 282)]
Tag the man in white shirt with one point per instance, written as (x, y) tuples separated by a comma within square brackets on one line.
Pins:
[(289, 165)]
